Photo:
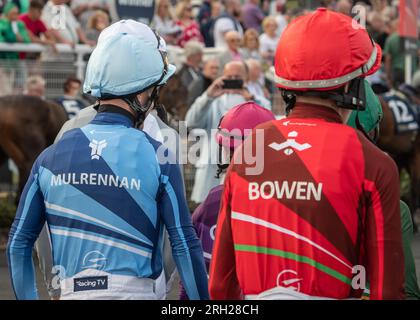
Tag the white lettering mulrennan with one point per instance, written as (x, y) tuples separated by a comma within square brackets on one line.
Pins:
[(95, 179)]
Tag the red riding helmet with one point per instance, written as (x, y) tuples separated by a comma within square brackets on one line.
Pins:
[(323, 51), (238, 121)]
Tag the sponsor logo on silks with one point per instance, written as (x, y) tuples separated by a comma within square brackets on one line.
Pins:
[(290, 145), (94, 260), (289, 279), (299, 190), (213, 232), (95, 179), (288, 122), (97, 148), (90, 283)]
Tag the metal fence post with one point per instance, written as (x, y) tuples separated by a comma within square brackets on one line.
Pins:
[(80, 65)]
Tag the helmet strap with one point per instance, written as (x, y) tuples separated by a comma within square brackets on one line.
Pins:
[(354, 98), (139, 109), (222, 167), (290, 99)]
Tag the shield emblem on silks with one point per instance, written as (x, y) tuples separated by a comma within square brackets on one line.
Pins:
[(140, 10)]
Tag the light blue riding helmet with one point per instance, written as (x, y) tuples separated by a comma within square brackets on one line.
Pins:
[(129, 58)]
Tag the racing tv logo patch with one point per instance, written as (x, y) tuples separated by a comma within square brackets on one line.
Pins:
[(91, 283)]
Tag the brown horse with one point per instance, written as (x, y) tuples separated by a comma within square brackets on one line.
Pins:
[(174, 97), (405, 149), (27, 126)]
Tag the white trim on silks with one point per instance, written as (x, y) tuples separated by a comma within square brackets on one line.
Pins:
[(247, 218), (108, 242), (89, 218), (329, 83), (282, 293), (207, 255), (119, 288)]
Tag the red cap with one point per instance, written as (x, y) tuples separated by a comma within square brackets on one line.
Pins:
[(324, 50), (239, 121)]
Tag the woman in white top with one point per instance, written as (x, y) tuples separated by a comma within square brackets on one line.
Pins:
[(164, 23), (251, 45), (269, 39)]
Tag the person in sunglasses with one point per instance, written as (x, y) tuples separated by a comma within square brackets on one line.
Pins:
[(103, 191)]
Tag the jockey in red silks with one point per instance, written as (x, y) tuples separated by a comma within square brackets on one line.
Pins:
[(323, 216)]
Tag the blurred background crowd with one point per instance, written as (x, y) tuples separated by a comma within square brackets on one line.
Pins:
[(210, 33)]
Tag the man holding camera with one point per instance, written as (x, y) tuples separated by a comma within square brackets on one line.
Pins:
[(206, 112)]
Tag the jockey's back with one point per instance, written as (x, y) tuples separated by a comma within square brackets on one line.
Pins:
[(326, 201)]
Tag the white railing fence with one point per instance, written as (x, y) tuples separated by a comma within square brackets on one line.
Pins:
[(55, 67)]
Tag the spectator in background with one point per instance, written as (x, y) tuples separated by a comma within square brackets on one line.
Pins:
[(377, 28), (12, 30), (233, 40), (210, 72), (68, 31), (387, 12), (98, 21), (35, 86), (36, 28), (205, 113), (394, 57), (255, 82), (344, 7), (252, 15), (295, 13), (251, 45), (84, 9), (265, 6), (164, 23), (190, 70), (204, 14), (207, 25), (227, 21), (190, 28), (70, 101), (269, 39), (281, 17), (23, 5)]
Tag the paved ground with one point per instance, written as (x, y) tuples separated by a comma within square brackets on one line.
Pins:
[(6, 291)]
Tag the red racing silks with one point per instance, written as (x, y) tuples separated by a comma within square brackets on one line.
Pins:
[(310, 216), (383, 246)]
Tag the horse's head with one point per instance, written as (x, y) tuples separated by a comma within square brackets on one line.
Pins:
[(174, 97)]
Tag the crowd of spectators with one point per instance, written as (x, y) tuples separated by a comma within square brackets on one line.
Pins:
[(35, 21), (244, 33), (241, 30)]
